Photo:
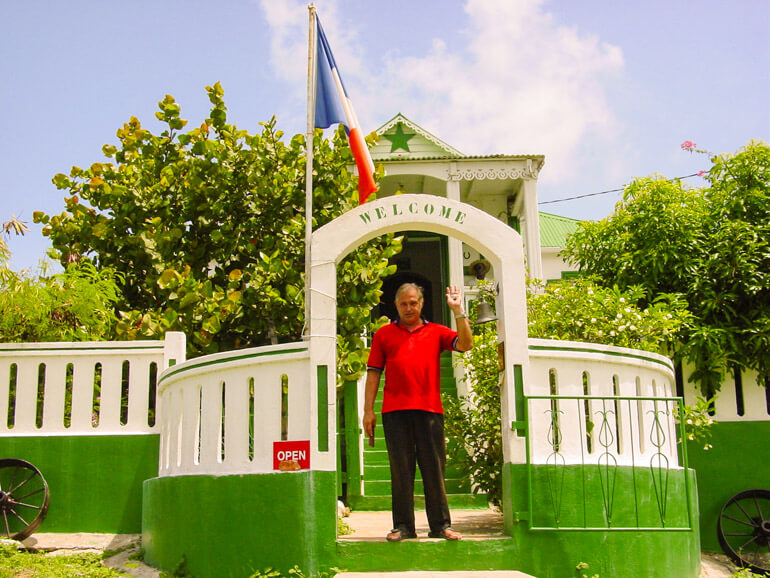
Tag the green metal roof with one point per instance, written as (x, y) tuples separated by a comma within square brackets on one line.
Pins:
[(555, 228)]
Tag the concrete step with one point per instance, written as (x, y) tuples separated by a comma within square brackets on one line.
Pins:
[(380, 487), (475, 524), (382, 503)]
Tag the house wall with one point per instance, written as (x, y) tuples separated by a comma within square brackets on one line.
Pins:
[(554, 266)]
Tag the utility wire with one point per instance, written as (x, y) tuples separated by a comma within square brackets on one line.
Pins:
[(610, 191)]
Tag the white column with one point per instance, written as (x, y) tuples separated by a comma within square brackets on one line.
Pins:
[(455, 245), (323, 352), (531, 229), (455, 248)]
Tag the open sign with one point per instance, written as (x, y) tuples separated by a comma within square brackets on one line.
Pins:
[(291, 456)]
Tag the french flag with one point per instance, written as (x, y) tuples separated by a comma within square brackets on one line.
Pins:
[(332, 106)]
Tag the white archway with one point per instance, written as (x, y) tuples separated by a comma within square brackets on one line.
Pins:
[(499, 243)]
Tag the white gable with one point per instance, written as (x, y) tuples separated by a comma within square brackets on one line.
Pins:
[(400, 138)]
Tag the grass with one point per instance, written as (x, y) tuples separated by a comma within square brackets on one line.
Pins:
[(20, 564), (16, 563)]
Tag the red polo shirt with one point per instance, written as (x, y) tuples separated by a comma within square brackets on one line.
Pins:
[(411, 364)]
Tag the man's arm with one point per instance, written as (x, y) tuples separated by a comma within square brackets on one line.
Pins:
[(464, 334), (454, 300), (372, 386)]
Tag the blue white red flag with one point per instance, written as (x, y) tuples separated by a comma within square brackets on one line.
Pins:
[(332, 106)]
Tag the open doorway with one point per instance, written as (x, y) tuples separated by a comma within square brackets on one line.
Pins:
[(423, 260)]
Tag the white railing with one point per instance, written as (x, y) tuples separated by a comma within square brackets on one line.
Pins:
[(223, 412), (83, 388), (741, 399), (618, 405)]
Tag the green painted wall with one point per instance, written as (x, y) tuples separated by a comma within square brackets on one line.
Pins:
[(234, 525), (95, 482), (739, 460), (549, 553)]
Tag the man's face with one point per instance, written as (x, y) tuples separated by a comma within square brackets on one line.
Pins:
[(409, 306)]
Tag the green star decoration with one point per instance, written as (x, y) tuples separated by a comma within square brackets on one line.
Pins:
[(399, 140)]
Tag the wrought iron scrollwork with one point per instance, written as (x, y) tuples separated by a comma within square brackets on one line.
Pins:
[(659, 464), (607, 464), (555, 464)]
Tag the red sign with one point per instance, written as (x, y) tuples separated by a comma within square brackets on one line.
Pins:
[(291, 456)]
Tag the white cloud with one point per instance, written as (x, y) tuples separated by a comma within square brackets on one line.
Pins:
[(288, 37), (513, 82), (517, 84), (289, 48)]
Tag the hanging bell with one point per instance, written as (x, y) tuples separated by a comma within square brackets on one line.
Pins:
[(484, 314)]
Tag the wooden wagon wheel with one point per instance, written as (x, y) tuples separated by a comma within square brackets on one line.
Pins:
[(23, 498), (744, 530)]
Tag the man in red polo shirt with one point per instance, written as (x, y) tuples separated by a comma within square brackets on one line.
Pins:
[(408, 351)]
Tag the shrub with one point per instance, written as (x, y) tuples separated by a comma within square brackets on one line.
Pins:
[(76, 305)]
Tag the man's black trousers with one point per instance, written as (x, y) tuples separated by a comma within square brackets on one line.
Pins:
[(415, 436)]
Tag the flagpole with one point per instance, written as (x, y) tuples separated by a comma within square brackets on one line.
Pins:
[(309, 159)]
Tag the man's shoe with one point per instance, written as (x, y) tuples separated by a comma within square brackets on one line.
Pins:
[(446, 534), (398, 534)]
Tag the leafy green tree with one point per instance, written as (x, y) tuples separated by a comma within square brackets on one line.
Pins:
[(710, 245), (207, 227)]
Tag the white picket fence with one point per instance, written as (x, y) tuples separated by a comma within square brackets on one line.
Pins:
[(222, 413), (588, 403), (83, 388)]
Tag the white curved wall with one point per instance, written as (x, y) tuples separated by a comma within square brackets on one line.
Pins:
[(223, 412)]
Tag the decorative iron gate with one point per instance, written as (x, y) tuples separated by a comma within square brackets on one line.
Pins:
[(607, 463)]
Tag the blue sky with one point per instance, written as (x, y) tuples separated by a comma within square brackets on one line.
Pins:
[(607, 90)]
